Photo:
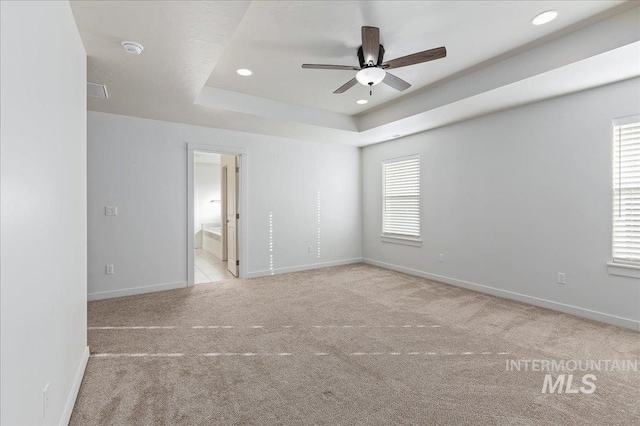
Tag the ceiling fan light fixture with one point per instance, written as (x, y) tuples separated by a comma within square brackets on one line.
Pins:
[(544, 17), (370, 76)]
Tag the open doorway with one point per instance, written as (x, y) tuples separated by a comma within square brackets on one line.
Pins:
[(215, 216)]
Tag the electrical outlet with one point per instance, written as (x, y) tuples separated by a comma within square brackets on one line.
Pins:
[(442, 258), (111, 210), (45, 400), (309, 249), (109, 269), (562, 278)]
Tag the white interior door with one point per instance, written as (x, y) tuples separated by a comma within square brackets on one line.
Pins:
[(232, 221), (223, 193)]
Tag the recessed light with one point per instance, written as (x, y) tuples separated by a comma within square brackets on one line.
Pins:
[(362, 101), (544, 17), (244, 72)]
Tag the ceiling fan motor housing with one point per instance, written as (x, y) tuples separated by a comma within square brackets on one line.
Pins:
[(361, 57)]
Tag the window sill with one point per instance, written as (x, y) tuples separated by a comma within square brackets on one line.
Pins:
[(407, 241), (623, 270)]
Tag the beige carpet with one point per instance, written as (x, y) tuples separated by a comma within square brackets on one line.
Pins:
[(346, 345)]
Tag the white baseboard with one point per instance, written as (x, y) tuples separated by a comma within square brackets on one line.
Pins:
[(135, 290), (299, 268), (544, 303), (75, 388)]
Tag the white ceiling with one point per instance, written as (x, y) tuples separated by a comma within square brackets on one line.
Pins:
[(187, 73), (275, 38)]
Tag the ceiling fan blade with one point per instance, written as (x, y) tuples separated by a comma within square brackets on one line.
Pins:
[(370, 44), (395, 82), (330, 67), (348, 85), (416, 58)]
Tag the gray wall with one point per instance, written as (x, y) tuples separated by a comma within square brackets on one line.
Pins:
[(513, 198), (140, 165), (44, 212)]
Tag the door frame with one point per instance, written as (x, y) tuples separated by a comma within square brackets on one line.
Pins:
[(243, 201)]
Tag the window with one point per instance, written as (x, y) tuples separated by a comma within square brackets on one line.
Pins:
[(401, 198), (626, 190)]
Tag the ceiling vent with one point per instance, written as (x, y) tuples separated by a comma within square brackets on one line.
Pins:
[(96, 90)]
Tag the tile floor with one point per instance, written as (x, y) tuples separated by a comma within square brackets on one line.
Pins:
[(209, 268)]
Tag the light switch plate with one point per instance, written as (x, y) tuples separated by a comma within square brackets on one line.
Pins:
[(45, 400), (109, 269), (111, 210)]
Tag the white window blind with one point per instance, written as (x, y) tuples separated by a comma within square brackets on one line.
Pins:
[(626, 191), (401, 197)]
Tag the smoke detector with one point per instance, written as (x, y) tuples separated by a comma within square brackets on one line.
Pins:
[(132, 47)]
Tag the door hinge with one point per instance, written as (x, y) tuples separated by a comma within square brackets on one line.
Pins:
[(237, 263), (237, 169), (237, 215)]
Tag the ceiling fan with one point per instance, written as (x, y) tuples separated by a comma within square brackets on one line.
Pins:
[(372, 69)]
